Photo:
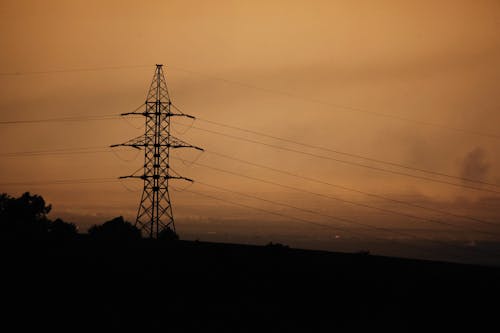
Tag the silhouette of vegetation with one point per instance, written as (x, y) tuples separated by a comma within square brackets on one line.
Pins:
[(282, 287), (277, 246), (25, 216), (115, 229), (63, 230), (168, 234)]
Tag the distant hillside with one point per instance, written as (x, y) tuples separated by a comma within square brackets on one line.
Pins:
[(197, 286)]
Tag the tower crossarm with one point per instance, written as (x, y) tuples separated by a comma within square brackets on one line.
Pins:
[(169, 145), (154, 177), (167, 142), (151, 114)]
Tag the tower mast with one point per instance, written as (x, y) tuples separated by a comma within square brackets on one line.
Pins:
[(155, 209)]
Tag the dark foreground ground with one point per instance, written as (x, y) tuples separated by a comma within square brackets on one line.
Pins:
[(195, 286)]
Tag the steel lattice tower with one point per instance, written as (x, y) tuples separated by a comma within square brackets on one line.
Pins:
[(155, 209)]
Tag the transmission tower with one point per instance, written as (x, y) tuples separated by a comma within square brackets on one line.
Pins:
[(155, 209)]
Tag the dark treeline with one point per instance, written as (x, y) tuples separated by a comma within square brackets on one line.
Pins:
[(109, 279), (25, 217)]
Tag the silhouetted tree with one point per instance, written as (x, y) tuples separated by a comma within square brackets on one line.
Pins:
[(168, 234), (277, 245), (115, 229), (62, 230), (25, 216)]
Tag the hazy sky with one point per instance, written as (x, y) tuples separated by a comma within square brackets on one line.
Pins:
[(302, 70)]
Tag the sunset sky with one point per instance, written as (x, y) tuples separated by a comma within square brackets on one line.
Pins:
[(407, 82)]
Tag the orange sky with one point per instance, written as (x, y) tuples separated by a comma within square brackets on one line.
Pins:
[(429, 61)]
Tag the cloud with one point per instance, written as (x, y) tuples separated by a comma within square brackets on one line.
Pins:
[(475, 166)]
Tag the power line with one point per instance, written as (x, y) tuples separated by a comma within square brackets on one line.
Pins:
[(343, 200), (57, 152), (446, 245), (78, 151), (60, 119), (109, 116), (112, 117), (350, 189), (63, 182), (301, 220), (370, 194), (347, 154), (441, 174), (113, 180), (73, 70), (344, 161), (268, 90), (339, 106), (270, 212), (347, 201)]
